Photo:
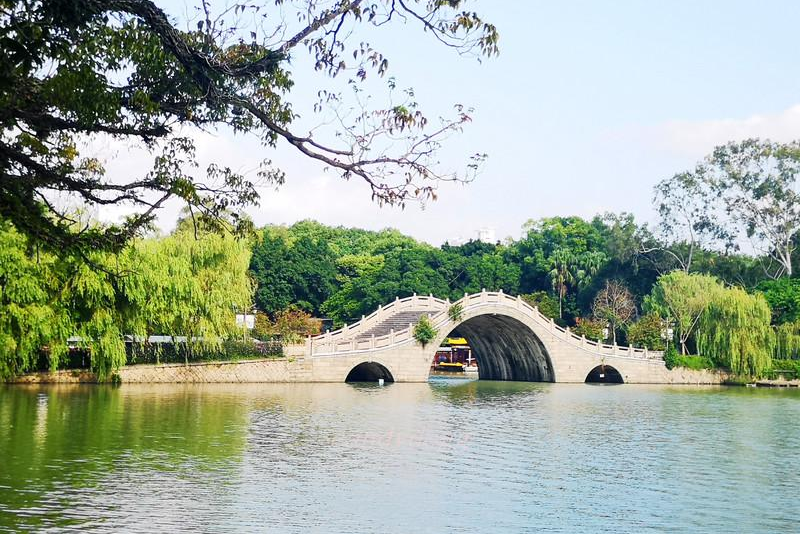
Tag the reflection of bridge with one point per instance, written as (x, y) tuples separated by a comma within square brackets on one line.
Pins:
[(511, 340)]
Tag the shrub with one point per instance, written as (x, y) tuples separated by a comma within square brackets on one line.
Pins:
[(290, 325), (646, 332), (424, 332), (671, 357), (785, 365), (694, 362), (547, 304), (590, 328), (455, 312)]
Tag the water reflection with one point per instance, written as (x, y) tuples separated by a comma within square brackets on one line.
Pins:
[(449, 456)]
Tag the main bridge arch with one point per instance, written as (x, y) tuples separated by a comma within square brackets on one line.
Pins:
[(506, 348)]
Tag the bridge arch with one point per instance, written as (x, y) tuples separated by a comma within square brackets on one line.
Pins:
[(604, 374), (505, 347), (369, 372)]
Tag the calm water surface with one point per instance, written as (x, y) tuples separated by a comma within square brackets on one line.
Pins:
[(448, 456)]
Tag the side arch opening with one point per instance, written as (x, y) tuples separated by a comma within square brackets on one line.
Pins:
[(604, 374), (369, 372), (503, 347)]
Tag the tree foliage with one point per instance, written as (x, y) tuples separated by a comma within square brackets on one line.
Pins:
[(424, 332), (735, 332), (647, 332), (545, 303), (589, 328), (742, 190), (683, 298), (787, 341), (783, 296), (290, 325), (123, 70), (177, 285)]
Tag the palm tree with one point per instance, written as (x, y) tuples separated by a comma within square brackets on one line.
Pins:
[(562, 262)]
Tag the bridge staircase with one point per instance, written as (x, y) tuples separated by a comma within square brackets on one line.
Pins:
[(396, 322)]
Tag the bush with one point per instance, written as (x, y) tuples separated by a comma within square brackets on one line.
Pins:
[(694, 362), (547, 304), (592, 329), (671, 357), (646, 332), (424, 332), (455, 312), (229, 349), (786, 369), (291, 325)]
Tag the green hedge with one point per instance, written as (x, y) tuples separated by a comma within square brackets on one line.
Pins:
[(672, 359), (231, 349)]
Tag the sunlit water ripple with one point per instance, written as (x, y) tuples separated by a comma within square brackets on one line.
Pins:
[(448, 456)]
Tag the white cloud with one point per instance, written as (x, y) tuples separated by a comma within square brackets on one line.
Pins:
[(698, 138)]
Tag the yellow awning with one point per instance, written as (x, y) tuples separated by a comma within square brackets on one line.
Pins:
[(455, 341)]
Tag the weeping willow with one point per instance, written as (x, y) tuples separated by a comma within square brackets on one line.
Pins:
[(735, 332), (177, 285), (787, 341)]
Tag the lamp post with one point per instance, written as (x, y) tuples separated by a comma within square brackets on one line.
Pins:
[(666, 332)]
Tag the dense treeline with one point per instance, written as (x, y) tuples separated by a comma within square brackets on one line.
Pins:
[(561, 262)]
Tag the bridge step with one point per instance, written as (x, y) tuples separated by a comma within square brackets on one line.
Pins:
[(398, 321)]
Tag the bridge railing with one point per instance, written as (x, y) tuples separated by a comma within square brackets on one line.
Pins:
[(346, 339), (414, 302)]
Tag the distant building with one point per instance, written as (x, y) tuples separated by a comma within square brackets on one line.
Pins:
[(487, 235)]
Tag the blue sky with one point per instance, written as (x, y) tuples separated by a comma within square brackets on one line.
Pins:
[(588, 106)]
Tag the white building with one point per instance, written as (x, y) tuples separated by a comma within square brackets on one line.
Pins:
[(487, 235)]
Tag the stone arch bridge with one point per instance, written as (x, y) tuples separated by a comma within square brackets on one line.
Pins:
[(510, 339)]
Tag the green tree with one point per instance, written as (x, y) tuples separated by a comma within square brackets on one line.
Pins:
[(684, 298), (192, 287), (750, 189), (545, 303), (647, 332), (589, 328), (562, 264), (123, 69), (29, 318), (292, 269), (734, 331), (783, 296), (424, 332)]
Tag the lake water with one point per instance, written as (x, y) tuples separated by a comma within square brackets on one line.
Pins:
[(447, 456)]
